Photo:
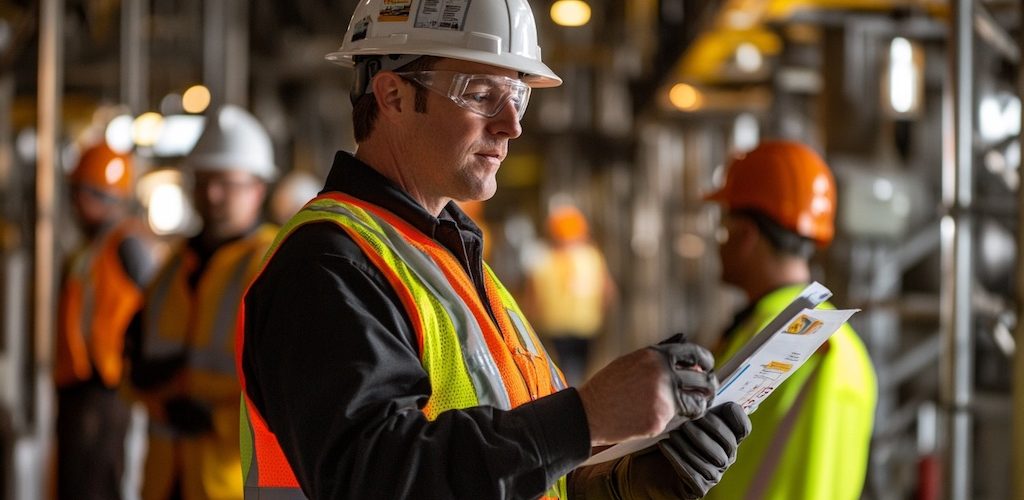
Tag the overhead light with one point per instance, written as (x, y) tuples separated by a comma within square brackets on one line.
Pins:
[(196, 99), (685, 97), (167, 208), (746, 133), (146, 128), (739, 19), (118, 134), (570, 12), (748, 57), (905, 83)]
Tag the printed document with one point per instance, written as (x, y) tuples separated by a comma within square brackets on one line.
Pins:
[(766, 361)]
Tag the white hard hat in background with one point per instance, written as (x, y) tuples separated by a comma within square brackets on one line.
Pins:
[(233, 139), (496, 32)]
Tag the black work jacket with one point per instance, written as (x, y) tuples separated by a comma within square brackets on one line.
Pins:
[(331, 362)]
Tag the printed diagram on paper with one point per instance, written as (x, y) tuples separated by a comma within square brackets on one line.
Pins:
[(766, 360), (780, 356)]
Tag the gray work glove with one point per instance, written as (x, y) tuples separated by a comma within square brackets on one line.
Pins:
[(701, 450), (693, 380)]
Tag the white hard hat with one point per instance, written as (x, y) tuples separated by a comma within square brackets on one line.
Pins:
[(233, 139), (496, 32)]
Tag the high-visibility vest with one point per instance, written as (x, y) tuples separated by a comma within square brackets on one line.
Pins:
[(200, 324), (471, 361), (811, 437), (98, 301)]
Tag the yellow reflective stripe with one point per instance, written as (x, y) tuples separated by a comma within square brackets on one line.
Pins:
[(441, 355), (215, 356)]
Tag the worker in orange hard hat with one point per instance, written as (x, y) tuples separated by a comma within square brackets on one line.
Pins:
[(100, 293), (811, 437), (569, 291)]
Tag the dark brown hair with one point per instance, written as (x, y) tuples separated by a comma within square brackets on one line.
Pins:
[(364, 111)]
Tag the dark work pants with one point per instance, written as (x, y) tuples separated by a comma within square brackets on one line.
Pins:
[(92, 421)]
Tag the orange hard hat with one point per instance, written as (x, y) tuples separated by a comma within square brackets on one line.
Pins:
[(104, 169), (566, 223), (786, 181)]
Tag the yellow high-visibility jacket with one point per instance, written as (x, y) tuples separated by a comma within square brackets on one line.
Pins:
[(201, 324), (811, 437)]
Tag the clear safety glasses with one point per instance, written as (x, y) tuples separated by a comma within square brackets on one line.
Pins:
[(482, 94)]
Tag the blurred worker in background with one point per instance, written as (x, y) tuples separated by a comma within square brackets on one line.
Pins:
[(380, 355), (291, 192), (569, 291), (101, 292), (811, 437), (184, 361)]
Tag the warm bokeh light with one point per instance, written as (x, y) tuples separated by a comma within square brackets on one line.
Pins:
[(748, 57), (902, 76), (118, 134), (166, 209), (146, 128), (683, 96), (196, 99), (570, 12)]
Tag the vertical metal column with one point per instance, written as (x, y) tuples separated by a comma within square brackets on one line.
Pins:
[(956, 364), (1017, 454), (226, 51), (44, 280), (134, 55)]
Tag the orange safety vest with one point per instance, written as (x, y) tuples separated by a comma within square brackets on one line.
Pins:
[(460, 345), (200, 324), (98, 301)]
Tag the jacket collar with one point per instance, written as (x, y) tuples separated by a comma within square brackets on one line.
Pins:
[(351, 176)]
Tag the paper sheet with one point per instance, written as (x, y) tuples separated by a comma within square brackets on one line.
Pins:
[(766, 361)]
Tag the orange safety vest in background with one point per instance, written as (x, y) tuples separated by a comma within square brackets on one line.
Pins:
[(460, 345), (97, 302), (199, 323)]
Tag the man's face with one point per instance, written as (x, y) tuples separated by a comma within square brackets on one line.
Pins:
[(93, 207), (229, 201), (452, 152)]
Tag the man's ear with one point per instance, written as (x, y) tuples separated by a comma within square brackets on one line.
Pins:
[(390, 92)]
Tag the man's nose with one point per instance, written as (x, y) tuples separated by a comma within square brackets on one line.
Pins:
[(506, 122)]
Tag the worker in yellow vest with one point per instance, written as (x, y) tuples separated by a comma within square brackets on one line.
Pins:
[(569, 290), (380, 356), (184, 364), (812, 436), (101, 292)]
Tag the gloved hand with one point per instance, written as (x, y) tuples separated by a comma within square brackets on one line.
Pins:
[(189, 416), (693, 380), (701, 450)]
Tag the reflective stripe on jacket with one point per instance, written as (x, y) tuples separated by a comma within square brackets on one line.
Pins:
[(471, 360), (811, 437), (98, 301), (198, 323)]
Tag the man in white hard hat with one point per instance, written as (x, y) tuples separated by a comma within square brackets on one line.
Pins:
[(380, 356), (184, 364)]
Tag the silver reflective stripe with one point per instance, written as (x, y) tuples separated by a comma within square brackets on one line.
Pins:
[(526, 339), (215, 356), (81, 267), (155, 345), (521, 330), (483, 371), (762, 480), (556, 379)]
